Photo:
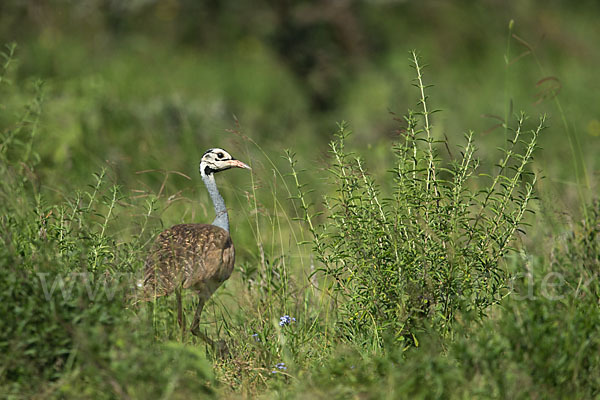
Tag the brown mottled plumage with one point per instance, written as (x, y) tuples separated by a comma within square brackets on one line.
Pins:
[(197, 257), (189, 256)]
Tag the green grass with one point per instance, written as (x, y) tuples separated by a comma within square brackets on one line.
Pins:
[(419, 264)]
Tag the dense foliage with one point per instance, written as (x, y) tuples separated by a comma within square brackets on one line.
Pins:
[(407, 260), (434, 248)]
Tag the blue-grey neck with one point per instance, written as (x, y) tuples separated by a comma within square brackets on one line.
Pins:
[(221, 218)]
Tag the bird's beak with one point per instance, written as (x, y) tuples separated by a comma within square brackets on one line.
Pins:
[(237, 164)]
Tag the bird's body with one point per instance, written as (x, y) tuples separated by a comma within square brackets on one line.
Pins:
[(193, 256), (198, 257)]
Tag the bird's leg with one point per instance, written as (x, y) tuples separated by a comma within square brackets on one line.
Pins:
[(219, 347), (195, 328), (180, 316)]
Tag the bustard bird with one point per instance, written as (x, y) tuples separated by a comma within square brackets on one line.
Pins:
[(199, 257)]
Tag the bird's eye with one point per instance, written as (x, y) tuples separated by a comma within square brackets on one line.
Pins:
[(220, 155)]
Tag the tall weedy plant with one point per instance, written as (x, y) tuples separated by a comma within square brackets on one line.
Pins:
[(431, 250)]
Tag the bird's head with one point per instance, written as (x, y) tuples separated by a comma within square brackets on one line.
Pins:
[(216, 160)]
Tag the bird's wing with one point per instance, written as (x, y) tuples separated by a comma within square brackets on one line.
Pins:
[(215, 257)]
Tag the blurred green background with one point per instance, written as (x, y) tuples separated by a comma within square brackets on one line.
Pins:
[(152, 84)]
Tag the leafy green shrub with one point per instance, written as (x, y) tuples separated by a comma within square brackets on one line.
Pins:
[(543, 341), (46, 293), (434, 246), (64, 282), (546, 340), (128, 363), (65, 274)]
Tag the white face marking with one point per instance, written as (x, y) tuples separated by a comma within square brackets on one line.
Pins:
[(215, 155), (215, 160)]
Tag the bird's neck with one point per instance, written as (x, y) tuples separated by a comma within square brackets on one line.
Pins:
[(221, 219)]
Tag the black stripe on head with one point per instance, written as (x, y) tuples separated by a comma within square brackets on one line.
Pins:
[(208, 170), (207, 151)]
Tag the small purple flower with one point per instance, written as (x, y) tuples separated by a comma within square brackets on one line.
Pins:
[(280, 366), (286, 320)]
